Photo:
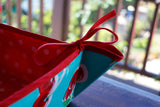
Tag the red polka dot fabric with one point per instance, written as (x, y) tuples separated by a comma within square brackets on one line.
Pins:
[(17, 66)]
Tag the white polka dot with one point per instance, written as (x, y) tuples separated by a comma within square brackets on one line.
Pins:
[(16, 64), (2, 89), (20, 42), (1, 82), (3, 71), (29, 71), (10, 43), (23, 85), (58, 51), (13, 79), (46, 51), (1, 31), (24, 55), (33, 48), (6, 56)]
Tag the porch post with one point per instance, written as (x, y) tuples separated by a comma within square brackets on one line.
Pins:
[(60, 19)]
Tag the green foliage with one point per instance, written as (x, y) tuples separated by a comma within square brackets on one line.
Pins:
[(94, 4), (122, 45), (3, 1), (47, 19), (72, 37), (91, 9), (74, 26), (157, 77), (35, 22), (104, 36), (140, 42), (24, 22), (155, 49), (139, 27), (84, 17), (151, 8)]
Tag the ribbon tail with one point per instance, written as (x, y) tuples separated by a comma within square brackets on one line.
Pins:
[(99, 22)]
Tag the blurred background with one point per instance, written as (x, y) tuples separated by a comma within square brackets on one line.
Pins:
[(137, 25)]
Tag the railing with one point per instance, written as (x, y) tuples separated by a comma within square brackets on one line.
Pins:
[(132, 34), (60, 22)]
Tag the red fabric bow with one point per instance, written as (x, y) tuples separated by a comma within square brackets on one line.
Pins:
[(50, 51)]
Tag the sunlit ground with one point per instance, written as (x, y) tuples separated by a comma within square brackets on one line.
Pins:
[(136, 78)]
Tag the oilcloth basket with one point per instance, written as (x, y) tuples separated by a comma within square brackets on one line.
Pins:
[(37, 71)]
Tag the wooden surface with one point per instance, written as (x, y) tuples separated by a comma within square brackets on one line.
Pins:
[(110, 93)]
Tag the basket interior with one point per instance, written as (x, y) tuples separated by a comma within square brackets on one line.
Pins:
[(17, 68)]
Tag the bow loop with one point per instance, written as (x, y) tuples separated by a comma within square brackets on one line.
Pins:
[(101, 28)]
